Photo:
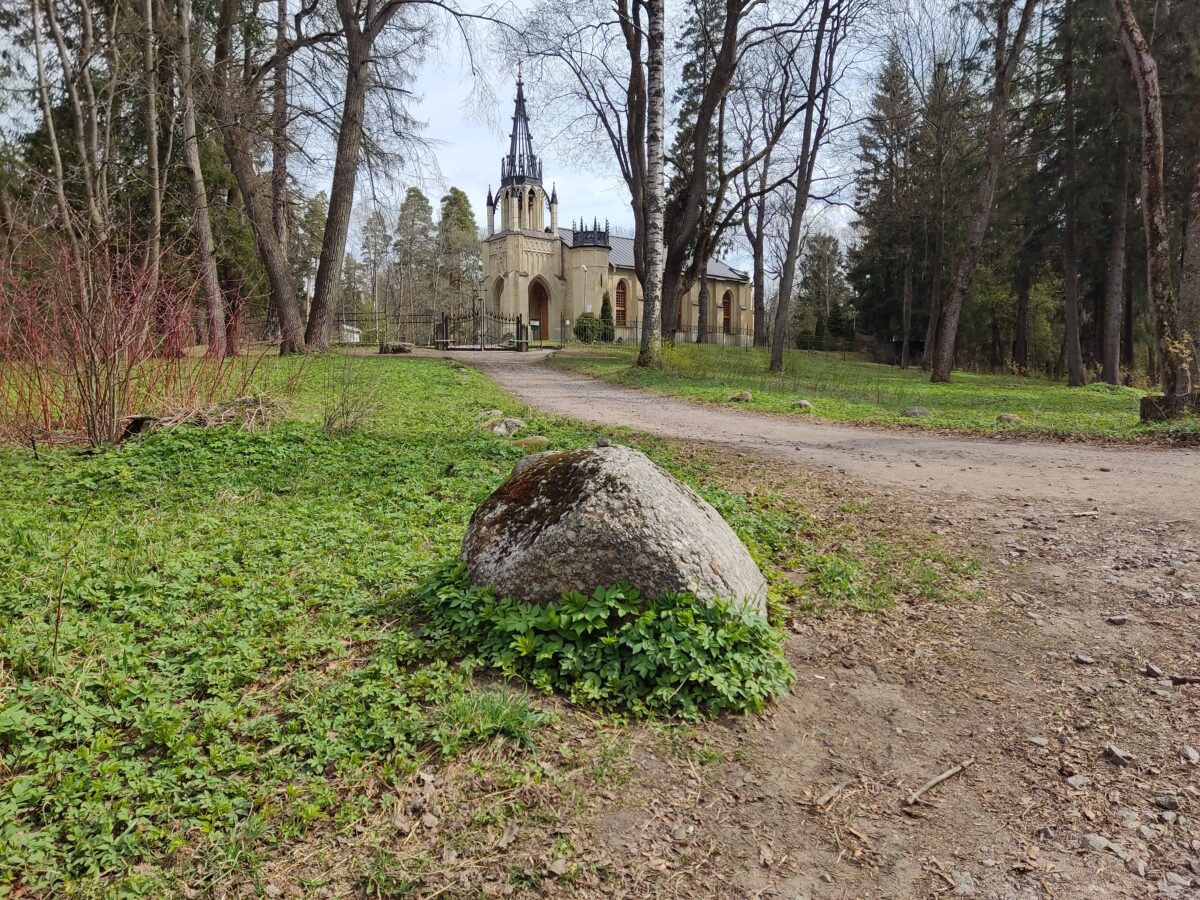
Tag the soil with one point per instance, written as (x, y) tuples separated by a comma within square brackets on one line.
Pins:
[(1091, 601)]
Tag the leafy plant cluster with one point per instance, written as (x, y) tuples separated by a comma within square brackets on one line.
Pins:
[(675, 655)]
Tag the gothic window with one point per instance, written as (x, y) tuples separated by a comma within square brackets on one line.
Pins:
[(727, 313), (622, 301)]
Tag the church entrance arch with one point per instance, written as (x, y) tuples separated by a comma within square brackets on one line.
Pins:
[(539, 311)]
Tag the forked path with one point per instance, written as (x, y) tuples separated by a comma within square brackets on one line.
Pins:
[(1159, 483), (1090, 592)]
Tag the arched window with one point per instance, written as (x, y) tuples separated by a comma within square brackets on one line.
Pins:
[(621, 299), (727, 313)]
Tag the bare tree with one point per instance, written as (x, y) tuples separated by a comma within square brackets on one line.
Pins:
[(832, 27), (1005, 60), (207, 259)]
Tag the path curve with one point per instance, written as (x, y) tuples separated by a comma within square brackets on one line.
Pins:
[(1159, 483)]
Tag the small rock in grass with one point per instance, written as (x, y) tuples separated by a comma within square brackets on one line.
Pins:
[(1153, 671), (802, 405), (1167, 801), (1078, 781), (1190, 754), (679, 834), (1119, 619), (603, 442), (915, 412), (488, 414), (1039, 741), (1008, 419), (429, 820), (533, 443), (1084, 660), (1118, 756), (505, 426), (964, 884), (741, 397)]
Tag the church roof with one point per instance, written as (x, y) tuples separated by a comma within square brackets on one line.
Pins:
[(621, 256)]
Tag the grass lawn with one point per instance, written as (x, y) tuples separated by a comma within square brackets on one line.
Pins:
[(849, 390), (210, 670)]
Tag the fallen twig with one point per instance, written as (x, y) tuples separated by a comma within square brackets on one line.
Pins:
[(915, 796), (828, 796)]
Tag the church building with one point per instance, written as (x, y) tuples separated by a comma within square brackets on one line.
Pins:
[(550, 275)]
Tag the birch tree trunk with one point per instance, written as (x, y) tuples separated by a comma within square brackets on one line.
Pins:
[(1173, 355), (150, 79), (1006, 60), (213, 300), (655, 194)]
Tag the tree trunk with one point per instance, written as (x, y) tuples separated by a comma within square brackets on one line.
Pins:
[(815, 124), (906, 308), (341, 190), (1114, 287), (1021, 335), (932, 329), (702, 310), (279, 121), (213, 299), (758, 244), (655, 192), (1189, 282), (1172, 352), (1076, 377), (257, 209), (150, 79), (1004, 70)]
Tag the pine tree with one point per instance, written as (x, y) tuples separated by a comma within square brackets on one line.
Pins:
[(608, 325)]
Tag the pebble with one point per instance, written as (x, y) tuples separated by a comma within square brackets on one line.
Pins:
[(679, 834), (1117, 620), (603, 442), (1167, 801), (1039, 741), (1153, 671), (1084, 660), (1097, 842), (964, 884), (1137, 866), (1117, 755), (1147, 832), (1189, 754), (1179, 880), (1078, 781), (1168, 817)]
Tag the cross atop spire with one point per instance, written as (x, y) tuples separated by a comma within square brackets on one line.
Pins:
[(522, 165)]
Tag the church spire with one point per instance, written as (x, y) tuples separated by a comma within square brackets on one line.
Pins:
[(521, 166)]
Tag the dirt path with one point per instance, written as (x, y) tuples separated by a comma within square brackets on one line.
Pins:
[(1093, 579), (1161, 483)]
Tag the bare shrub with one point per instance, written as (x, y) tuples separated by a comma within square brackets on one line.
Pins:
[(88, 340), (350, 388)]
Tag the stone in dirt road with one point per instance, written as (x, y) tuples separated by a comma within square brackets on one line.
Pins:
[(589, 518)]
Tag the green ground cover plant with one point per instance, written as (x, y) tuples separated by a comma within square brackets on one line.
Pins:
[(675, 655), (847, 389), (211, 646)]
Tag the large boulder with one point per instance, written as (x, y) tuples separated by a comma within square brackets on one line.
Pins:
[(582, 519)]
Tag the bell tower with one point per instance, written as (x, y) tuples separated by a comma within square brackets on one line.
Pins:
[(520, 203)]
